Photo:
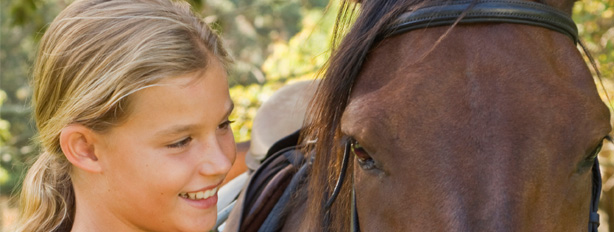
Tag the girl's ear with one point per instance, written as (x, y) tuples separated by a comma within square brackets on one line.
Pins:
[(77, 143)]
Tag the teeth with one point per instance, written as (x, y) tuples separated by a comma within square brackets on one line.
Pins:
[(199, 195)]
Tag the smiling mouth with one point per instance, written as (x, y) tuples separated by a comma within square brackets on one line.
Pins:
[(199, 195)]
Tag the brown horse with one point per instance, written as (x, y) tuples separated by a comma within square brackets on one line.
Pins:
[(462, 124)]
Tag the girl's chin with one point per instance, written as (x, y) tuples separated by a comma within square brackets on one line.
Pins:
[(203, 221)]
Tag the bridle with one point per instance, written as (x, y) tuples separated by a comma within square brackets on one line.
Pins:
[(480, 11), (486, 11)]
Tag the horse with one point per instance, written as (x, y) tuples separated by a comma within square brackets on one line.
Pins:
[(454, 115)]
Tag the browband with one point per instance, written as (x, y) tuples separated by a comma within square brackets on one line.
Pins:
[(486, 11)]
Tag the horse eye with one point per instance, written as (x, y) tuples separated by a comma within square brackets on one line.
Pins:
[(589, 160), (594, 153), (362, 156)]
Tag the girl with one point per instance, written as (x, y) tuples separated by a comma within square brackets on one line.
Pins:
[(131, 104)]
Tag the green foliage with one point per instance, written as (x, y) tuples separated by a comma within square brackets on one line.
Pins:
[(4, 176), (247, 99), (20, 23), (306, 52), (248, 27), (595, 20), (301, 57), (5, 135)]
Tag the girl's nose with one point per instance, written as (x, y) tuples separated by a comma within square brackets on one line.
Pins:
[(217, 161)]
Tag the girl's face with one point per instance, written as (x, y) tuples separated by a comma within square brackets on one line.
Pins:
[(162, 167)]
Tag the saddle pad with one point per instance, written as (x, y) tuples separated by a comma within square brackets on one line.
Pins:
[(269, 182)]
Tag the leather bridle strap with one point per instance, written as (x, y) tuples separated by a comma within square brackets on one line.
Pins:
[(486, 11), (344, 167), (354, 226), (593, 222)]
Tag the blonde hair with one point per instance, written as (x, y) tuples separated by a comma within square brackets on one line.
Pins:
[(92, 57)]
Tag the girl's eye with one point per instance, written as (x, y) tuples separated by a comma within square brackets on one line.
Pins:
[(180, 144), (225, 125), (362, 156)]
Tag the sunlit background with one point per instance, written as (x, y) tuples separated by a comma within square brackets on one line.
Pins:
[(273, 42)]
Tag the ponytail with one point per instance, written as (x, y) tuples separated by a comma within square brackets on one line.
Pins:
[(47, 198)]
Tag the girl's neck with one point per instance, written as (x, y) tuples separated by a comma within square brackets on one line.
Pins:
[(93, 215)]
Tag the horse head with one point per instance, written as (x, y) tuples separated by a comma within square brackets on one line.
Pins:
[(480, 126)]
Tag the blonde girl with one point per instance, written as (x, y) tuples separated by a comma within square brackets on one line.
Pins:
[(131, 104)]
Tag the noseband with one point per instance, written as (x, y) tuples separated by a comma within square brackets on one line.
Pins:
[(480, 11)]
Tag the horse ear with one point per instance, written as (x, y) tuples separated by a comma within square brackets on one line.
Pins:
[(77, 143)]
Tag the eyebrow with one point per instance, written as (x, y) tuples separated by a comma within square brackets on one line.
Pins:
[(178, 129)]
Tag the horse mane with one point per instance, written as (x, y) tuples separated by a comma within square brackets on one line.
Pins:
[(331, 98)]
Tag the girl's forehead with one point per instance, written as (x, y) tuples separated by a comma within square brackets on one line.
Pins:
[(207, 91)]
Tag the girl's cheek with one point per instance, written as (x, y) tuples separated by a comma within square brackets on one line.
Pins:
[(229, 146)]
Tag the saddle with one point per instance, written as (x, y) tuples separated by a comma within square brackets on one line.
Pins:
[(271, 191)]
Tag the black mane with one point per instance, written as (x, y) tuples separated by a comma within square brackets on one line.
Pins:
[(372, 21)]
